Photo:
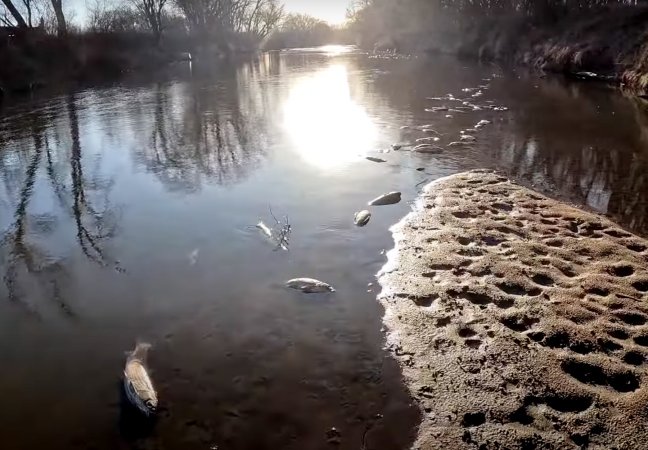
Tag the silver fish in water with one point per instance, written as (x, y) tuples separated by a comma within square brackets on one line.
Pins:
[(267, 232), (427, 148), (362, 218), (137, 383), (373, 159), (386, 199), (460, 144), (309, 285)]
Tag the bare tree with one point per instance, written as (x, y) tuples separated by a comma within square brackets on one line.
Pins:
[(20, 21), (264, 17), (105, 18), (28, 9), (257, 17), (61, 25), (152, 11)]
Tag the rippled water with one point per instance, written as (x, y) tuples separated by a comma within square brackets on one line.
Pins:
[(128, 212)]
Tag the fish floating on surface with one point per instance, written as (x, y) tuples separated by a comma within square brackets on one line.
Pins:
[(427, 148), (137, 383), (459, 144), (271, 236), (386, 199), (362, 218), (309, 285), (437, 109)]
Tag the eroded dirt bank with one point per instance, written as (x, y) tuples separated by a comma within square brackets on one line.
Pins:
[(520, 322)]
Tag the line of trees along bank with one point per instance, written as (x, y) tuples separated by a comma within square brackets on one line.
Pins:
[(200, 17)]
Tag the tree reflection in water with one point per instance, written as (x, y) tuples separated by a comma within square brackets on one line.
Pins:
[(204, 131), (29, 268)]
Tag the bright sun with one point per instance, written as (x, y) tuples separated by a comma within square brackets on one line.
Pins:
[(327, 127)]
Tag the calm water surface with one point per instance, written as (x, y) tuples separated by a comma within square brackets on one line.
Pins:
[(128, 213)]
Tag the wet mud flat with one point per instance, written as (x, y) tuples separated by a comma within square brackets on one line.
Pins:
[(520, 322)]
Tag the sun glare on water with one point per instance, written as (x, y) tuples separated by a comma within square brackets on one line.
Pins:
[(327, 127)]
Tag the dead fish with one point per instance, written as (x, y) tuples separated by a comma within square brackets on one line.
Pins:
[(467, 138), (309, 285), (428, 129), (427, 148), (459, 144), (376, 160), (137, 383), (362, 218), (267, 232), (436, 109), (193, 257), (386, 199)]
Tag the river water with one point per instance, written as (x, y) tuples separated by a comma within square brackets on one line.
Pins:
[(127, 213)]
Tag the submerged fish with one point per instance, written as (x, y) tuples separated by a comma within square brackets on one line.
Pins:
[(309, 285), (137, 383), (362, 218), (428, 139), (386, 199), (193, 257), (376, 160), (467, 138)]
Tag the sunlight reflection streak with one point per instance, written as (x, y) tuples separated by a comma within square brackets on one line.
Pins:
[(327, 127)]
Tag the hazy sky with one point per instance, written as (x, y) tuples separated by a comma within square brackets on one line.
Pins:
[(330, 10)]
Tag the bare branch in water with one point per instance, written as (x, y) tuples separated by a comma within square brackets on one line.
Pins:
[(281, 231)]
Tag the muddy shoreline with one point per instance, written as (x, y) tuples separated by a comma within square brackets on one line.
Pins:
[(518, 321)]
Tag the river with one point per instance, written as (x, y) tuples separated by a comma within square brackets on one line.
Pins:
[(128, 212)]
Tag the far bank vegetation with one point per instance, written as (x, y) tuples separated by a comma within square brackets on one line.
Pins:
[(606, 37), (44, 40)]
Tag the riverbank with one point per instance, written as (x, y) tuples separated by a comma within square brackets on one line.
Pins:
[(31, 59), (519, 322), (608, 45)]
